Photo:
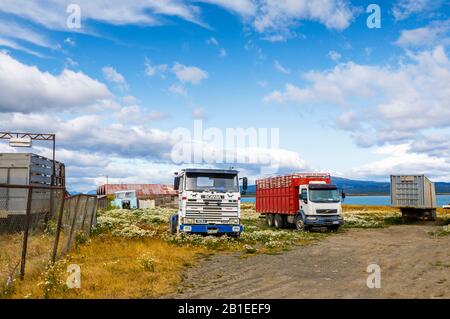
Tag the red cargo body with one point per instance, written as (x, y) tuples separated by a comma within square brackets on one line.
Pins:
[(279, 195)]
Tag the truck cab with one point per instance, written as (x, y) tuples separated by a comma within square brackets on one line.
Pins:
[(320, 205), (208, 202), (125, 199)]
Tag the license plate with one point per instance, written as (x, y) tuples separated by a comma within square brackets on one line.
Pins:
[(212, 197), (212, 231)]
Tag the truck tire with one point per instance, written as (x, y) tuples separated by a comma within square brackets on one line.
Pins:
[(433, 215), (269, 220), (173, 224), (334, 228), (278, 221), (299, 224)]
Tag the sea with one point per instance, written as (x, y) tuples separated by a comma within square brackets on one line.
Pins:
[(369, 200)]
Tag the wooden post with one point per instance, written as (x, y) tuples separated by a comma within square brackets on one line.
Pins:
[(25, 234), (58, 227), (74, 219)]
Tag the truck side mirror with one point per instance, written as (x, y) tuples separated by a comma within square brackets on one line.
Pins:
[(343, 195), (244, 183), (176, 183)]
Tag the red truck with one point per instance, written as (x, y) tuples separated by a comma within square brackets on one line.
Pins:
[(303, 199)]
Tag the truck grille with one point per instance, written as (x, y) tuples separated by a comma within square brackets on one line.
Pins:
[(212, 213), (326, 211)]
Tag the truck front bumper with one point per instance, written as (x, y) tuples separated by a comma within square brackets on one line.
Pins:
[(211, 229), (313, 220)]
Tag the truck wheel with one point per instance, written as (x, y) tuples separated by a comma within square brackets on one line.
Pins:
[(269, 220), (278, 221), (433, 215), (173, 224), (334, 228), (299, 224)]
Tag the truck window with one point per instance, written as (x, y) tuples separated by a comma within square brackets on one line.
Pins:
[(212, 182), (324, 195), (304, 194)]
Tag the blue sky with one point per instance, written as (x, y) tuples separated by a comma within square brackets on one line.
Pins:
[(357, 102)]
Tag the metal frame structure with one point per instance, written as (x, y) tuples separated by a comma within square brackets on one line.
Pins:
[(35, 137)]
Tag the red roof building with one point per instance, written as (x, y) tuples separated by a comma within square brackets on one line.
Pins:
[(143, 191)]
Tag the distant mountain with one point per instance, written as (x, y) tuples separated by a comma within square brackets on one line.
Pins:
[(358, 187)]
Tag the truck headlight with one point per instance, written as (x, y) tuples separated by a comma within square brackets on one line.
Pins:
[(187, 228), (236, 228), (234, 221), (187, 221)]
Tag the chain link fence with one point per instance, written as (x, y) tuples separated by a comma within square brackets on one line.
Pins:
[(39, 224)]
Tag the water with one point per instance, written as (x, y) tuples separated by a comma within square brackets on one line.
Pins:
[(370, 200)]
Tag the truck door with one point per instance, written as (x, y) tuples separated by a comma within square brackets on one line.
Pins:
[(303, 198)]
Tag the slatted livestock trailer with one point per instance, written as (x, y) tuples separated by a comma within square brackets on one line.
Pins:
[(31, 170)]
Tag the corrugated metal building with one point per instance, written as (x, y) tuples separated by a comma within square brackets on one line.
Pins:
[(162, 194)]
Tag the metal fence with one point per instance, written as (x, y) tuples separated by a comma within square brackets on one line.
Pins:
[(38, 224)]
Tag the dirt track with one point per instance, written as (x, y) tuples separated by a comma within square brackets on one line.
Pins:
[(413, 265)]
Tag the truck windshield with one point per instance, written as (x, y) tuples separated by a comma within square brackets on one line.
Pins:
[(212, 182), (324, 195)]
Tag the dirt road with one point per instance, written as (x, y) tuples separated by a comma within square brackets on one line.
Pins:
[(413, 265)]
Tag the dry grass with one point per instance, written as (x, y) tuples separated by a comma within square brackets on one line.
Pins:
[(133, 256), (38, 253), (113, 267)]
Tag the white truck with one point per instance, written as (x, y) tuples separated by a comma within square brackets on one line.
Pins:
[(208, 202)]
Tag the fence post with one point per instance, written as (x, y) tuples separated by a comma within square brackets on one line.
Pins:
[(58, 228), (74, 219), (85, 211), (25, 234), (94, 214)]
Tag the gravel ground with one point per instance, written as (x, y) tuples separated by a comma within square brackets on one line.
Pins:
[(413, 265)]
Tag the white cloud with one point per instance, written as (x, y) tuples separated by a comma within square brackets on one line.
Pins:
[(213, 41), (52, 13), (14, 45), (281, 68), (152, 70), (70, 63), (27, 89), (13, 30), (111, 75), (403, 9), (391, 104), (242, 7), (178, 89), (278, 17), (198, 113), (134, 114), (70, 41), (430, 35), (335, 56), (190, 74), (222, 53), (401, 160)]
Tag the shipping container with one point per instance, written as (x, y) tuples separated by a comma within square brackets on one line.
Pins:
[(414, 195), (280, 194)]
